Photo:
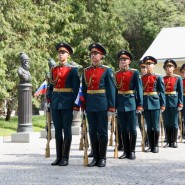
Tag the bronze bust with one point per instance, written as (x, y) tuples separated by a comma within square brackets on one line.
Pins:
[(23, 70)]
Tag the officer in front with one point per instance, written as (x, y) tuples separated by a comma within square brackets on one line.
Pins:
[(62, 94)]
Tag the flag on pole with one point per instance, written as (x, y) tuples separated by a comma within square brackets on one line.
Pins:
[(42, 89), (80, 98)]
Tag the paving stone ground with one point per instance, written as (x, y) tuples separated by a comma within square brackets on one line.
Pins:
[(25, 164)]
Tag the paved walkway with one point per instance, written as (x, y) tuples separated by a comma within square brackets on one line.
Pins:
[(24, 163)]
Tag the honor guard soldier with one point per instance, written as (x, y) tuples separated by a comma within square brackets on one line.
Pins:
[(153, 102), (62, 95), (182, 70), (99, 93), (174, 102), (128, 87), (142, 68)]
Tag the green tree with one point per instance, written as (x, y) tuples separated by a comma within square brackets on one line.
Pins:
[(145, 19), (33, 27), (103, 25)]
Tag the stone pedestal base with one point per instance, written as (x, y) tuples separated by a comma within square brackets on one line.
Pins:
[(76, 130), (43, 133), (24, 137)]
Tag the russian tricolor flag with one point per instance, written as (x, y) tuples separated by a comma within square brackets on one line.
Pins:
[(42, 89), (80, 98)]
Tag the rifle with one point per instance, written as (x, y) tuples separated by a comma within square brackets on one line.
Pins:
[(162, 128), (116, 137), (143, 132), (112, 132), (86, 143), (82, 137), (48, 118), (180, 126)]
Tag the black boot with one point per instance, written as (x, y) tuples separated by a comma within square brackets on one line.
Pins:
[(183, 129), (156, 141), (146, 140), (165, 135), (126, 152), (120, 140), (120, 148), (168, 137), (90, 154), (65, 152), (59, 142), (174, 138), (132, 146), (95, 148), (150, 134), (103, 152)]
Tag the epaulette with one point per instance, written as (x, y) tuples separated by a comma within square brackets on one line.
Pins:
[(68, 65), (53, 67), (132, 69), (72, 66), (105, 66), (176, 75), (87, 67), (144, 75), (157, 74), (117, 71), (56, 65)]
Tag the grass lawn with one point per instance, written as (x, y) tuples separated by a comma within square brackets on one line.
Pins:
[(9, 127)]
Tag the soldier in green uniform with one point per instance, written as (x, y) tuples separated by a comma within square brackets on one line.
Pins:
[(62, 94), (128, 88), (182, 70), (99, 93), (174, 102), (153, 102)]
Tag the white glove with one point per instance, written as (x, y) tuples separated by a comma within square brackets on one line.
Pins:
[(75, 112), (138, 111), (162, 110), (84, 112), (48, 107), (48, 104), (179, 108), (110, 113)]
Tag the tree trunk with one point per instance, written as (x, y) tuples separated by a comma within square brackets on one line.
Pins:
[(9, 110)]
